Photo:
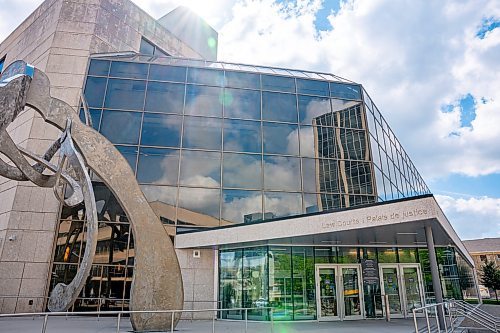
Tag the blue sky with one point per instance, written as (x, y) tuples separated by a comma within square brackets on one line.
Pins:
[(432, 68)]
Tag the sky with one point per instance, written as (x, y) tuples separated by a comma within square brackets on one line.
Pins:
[(431, 67)]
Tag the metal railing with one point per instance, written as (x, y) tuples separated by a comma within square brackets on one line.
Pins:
[(120, 314), (452, 310)]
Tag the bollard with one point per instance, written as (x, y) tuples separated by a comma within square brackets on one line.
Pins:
[(44, 327), (118, 323), (387, 308), (213, 322), (172, 322), (246, 320), (427, 319), (444, 318), (272, 320)]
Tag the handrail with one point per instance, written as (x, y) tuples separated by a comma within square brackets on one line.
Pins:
[(119, 314)]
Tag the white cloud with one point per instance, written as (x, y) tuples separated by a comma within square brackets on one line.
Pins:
[(472, 217)]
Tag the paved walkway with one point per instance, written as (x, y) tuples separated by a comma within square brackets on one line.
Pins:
[(108, 325)]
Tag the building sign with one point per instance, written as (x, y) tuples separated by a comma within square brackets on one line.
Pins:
[(369, 268)]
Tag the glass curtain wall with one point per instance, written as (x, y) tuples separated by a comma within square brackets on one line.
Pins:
[(214, 147)]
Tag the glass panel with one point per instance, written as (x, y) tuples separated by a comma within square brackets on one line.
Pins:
[(240, 103), (387, 255), (241, 206), (318, 202), (312, 87), (315, 111), (161, 130), (328, 292), (303, 280), (230, 284), (205, 202), (202, 133), (99, 67), (316, 141), (407, 255), (242, 171), (352, 298), (95, 116), (203, 101), (125, 94), (94, 91), (281, 173), (280, 282), (129, 70), (205, 76), (278, 204), (200, 168), (348, 114), (165, 97), (160, 198), (146, 47), (242, 80), (130, 154), (347, 91), (158, 166), (278, 83), (242, 135), (167, 73), (121, 126), (352, 144), (255, 286), (412, 288), (347, 255), (325, 255), (279, 107), (391, 288), (280, 138)]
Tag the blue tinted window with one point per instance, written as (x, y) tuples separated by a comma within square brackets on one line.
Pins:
[(242, 171), (146, 47), (158, 166), (205, 76), (2, 61), (279, 107), (94, 91), (347, 91), (161, 130), (240, 103), (130, 154), (99, 67), (242, 80), (167, 73), (280, 138), (242, 206), (202, 133), (95, 115), (121, 126), (242, 135), (200, 168), (312, 87), (203, 101), (281, 173), (125, 94), (277, 204), (312, 110), (129, 70), (278, 83), (165, 97)]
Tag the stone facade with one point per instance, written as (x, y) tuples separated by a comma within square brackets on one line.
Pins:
[(57, 38)]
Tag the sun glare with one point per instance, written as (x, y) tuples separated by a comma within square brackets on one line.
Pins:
[(200, 7)]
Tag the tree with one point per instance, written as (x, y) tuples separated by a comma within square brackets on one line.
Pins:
[(490, 276)]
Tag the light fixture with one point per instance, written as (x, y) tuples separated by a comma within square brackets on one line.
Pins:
[(406, 233)]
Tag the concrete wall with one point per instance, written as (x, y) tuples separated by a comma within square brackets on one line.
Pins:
[(58, 39), (198, 278)]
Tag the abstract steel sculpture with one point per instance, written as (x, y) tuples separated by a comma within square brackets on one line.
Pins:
[(157, 280)]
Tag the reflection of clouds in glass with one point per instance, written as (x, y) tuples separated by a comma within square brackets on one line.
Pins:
[(313, 108), (203, 101), (280, 138), (243, 171), (281, 173), (200, 168), (243, 136), (200, 200), (338, 104), (202, 133), (235, 208), (307, 145), (282, 204), (244, 104), (165, 194), (159, 166)]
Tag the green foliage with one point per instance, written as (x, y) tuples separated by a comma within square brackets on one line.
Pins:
[(490, 276)]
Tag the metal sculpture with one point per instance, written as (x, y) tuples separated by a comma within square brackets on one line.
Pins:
[(157, 280)]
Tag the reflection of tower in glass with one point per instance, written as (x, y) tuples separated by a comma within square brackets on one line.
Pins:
[(343, 165)]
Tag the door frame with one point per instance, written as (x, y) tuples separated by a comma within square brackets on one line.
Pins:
[(401, 285), (339, 292)]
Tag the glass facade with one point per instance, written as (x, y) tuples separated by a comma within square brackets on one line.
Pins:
[(283, 277), (240, 146)]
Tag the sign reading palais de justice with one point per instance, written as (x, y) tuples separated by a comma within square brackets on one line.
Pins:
[(381, 217)]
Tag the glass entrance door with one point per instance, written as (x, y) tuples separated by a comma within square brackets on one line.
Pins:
[(339, 293), (402, 283), (326, 289)]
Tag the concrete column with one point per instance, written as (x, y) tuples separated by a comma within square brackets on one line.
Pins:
[(436, 281)]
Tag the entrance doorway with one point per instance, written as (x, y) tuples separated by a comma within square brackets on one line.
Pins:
[(339, 292), (402, 283)]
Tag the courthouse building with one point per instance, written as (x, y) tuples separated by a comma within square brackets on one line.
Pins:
[(281, 188)]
